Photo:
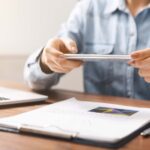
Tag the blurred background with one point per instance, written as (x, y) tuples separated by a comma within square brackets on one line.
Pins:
[(26, 25)]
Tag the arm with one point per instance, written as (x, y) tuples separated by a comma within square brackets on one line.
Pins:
[(141, 61), (34, 75), (43, 68)]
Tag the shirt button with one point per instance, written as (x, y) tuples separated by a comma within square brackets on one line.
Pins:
[(129, 94), (132, 34)]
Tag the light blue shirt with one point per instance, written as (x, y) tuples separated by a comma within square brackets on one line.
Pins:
[(102, 27)]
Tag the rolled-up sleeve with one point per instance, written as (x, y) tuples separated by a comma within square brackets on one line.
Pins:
[(33, 75)]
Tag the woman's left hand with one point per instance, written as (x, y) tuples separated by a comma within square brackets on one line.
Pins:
[(141, 61)]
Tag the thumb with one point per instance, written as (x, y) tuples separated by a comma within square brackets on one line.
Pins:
[(70, 45), (141, 54)]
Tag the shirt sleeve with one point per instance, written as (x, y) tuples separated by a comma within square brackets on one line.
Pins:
[(74, 27), (34, 76)]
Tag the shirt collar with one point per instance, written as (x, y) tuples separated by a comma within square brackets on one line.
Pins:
[(144, 8), (118, 5), (115, 5), (148, 6)]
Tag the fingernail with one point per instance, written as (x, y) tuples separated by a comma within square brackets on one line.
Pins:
[(135, 55), (74, 49), (132, 62)]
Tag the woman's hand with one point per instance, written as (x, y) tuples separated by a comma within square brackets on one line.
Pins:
[(52, 59), (141, 61)]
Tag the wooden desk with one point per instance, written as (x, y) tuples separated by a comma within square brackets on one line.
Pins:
[(10, 141)]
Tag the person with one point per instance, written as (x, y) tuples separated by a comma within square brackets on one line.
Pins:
[(101, 27)]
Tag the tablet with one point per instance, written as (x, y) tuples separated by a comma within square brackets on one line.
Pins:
[(97, 57)]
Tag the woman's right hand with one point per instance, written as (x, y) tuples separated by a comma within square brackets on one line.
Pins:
[(52, 60)]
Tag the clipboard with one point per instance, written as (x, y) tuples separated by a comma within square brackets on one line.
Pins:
[(80, 122)]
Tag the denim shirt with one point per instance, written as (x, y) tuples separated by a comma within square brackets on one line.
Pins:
[(103, 27)]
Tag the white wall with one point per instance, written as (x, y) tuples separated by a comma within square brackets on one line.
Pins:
[(26, 25)]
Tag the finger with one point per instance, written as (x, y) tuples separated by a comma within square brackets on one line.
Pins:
[(70, 67), (51, 55), (144, 72), (50, 58), (64, 68), (55, 43), (71, 63), (54, 59), (70, 45), (62, 62), (140, 63), (141, 54), (58, 44), (52, 51), (58, 69), (147, 79)]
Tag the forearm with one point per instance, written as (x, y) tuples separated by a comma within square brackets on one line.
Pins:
[(35, 77), (38, 76)]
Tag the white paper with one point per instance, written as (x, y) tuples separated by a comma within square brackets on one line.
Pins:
[(73, 117)]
